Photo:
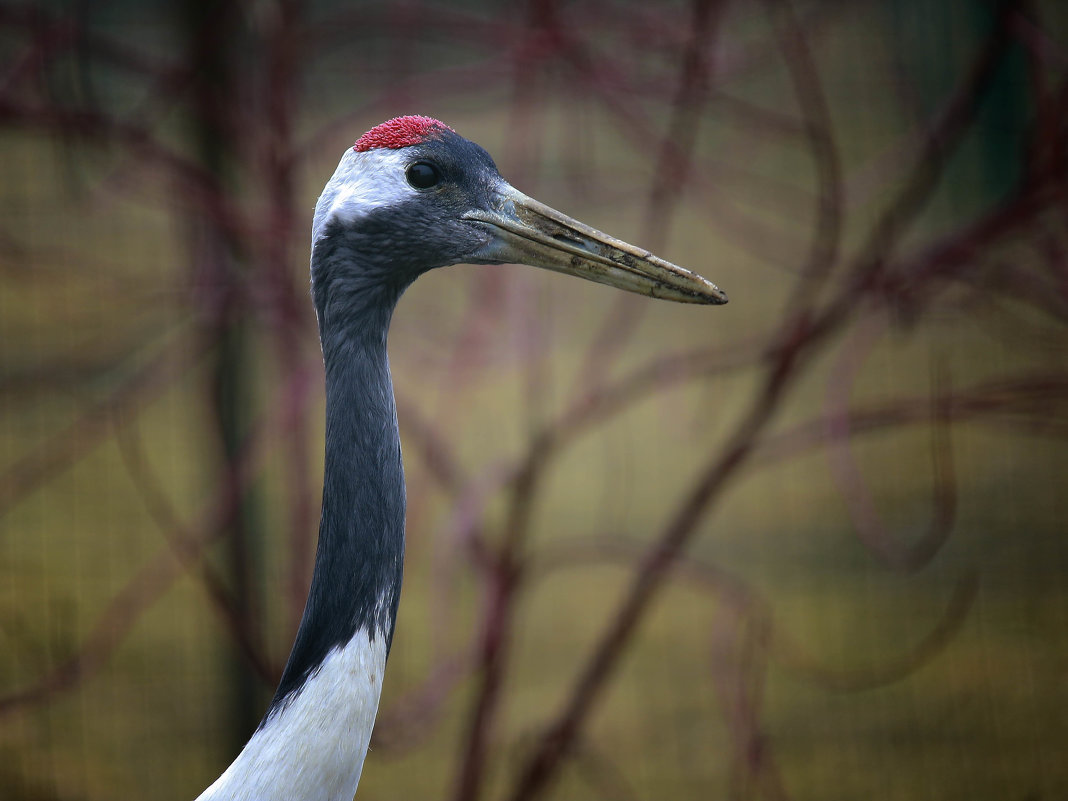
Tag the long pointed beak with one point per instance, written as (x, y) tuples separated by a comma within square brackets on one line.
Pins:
[(529, 232)]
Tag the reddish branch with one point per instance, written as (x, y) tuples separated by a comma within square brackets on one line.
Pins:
[(148, 584), (870, 528), (803, 330), (822, 257), (94, 424), (504, 580), (1034, 404), (187, 547), (674, 163), (876, 277)]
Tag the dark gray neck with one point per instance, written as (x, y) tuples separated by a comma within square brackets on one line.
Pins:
[(360, 555)]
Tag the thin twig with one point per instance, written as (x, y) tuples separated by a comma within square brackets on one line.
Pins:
[(798, 339)]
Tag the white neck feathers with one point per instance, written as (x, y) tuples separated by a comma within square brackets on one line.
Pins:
[(312, 748)]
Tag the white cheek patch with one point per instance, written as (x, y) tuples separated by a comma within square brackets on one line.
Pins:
[(368, 181), (314, 745)]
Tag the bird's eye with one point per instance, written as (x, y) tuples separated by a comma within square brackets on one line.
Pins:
[(422, 175)]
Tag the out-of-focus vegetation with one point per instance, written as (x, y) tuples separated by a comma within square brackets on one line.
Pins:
[(870, 599)]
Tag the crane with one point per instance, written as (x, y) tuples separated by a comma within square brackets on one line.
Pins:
[(410, 195)]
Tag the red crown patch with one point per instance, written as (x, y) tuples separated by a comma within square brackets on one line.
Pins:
[(400, 132)]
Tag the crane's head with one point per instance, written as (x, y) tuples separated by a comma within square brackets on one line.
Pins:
[(412, 194)]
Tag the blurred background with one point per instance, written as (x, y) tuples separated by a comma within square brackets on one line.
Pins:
[(809, 545)]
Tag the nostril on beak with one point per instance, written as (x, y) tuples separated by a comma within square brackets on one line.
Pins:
[(559, 237)]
